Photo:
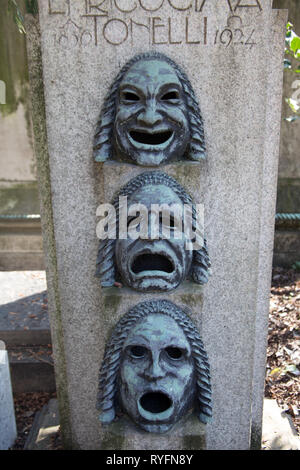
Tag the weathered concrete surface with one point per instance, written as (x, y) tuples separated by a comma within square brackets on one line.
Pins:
[(21, 245), (286, 247), (31, 369), (8, 430), (278, 430), (23, 308), (25, 329), (239, 89), (19, 198)]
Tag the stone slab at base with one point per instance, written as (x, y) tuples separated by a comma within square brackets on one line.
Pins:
[(278, 431), (24, 308), (31, 369), (21, 245)]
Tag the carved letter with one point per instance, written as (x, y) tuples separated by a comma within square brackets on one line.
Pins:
[(154, 26), (122, 9), (151, 9), (257, 5), (181, 8), (125, 32), (187, 33), (170, 33), (198, 7)]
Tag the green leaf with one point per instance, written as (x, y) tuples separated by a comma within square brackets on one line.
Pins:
[(295, 45)]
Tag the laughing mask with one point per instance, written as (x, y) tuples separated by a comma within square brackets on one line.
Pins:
[(153, 263), (155, 369), (151, 115)]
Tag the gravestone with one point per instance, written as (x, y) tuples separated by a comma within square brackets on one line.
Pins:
[(8, 429), (123, 91)]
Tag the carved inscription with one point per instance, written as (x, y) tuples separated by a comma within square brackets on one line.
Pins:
[(117, 22)]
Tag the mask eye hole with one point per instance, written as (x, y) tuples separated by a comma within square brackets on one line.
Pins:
[(170, 96), (168, 221), (174, 353), (137, 352), (130, 97)]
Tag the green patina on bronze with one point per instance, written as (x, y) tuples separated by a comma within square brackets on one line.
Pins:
[(158, 264), (155, 369), (151, 115)]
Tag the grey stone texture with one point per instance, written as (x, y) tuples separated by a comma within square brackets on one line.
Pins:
[(239, 90), (8, 430), (278, 431)]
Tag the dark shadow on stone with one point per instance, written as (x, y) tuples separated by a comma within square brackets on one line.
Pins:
[(25, 321)]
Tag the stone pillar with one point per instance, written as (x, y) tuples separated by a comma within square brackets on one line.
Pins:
[(8, 429), (232, 54)]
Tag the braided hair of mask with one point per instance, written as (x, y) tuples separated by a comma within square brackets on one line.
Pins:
[(104, 128), (109, 371), (106, 263)]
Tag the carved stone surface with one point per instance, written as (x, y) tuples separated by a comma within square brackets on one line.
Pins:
[(241, 110), (155, 369), (150, 115), (149, 265)]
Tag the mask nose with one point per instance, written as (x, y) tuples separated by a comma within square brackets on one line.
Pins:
[(149, 116), (154, 371), (154, 226)]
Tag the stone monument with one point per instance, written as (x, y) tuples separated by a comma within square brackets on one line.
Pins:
[(8, 429), (165, 101)]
